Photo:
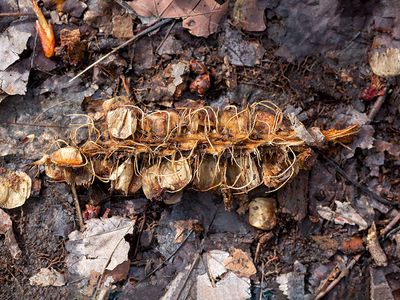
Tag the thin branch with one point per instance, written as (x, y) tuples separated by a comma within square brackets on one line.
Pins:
[(77, 207), (362, 188), (377, 105), (140, 34)]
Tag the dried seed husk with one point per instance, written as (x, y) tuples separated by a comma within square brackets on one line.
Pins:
[(82, 176), (102, 168), (160, 124), (265, 122), (150, 183), (115, 102), (235, 124), (121, 123), (67, 157), (135, 185), (201, 120), (175, 175), (122, 176), (274, 170), (209, 174), (54, 172), (15, 188), (242, 174), (262, 213)]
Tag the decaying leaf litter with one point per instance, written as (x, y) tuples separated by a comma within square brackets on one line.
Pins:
[(333, 221)]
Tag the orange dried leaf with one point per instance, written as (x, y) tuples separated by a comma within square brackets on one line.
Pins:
[(45, 31)]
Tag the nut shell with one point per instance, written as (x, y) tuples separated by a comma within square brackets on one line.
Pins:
[(262, 213)]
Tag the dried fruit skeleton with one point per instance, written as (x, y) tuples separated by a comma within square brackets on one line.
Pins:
[(162, 152)]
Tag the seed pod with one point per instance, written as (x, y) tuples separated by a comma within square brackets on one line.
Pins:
[(121, 177), (262, 213), (150, 184), (67, 157), (15, 188), (160, 124), (201, 120), (82, 176), (242, 174), (135, 185), (264, 122), (233, 123), (275, 170), (102, 168), (208, 174), (54, 172), (115, 102), (121, 123), (175, 175)]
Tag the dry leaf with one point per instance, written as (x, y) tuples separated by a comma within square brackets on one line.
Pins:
[(344, 214), (5, 222), (15, 188), (6, 229), (201, 17), (249, 14), (240, 263), (47, 277), (12, 43), (101, 246), (373, 246)]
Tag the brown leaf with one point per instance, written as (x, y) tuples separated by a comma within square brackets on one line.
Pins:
[(249, 14), (240, 263), (201, 17)]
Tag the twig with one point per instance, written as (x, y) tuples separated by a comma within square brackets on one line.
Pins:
[(391, 224), (358, 185), (344, 272), (77, 207), (188, 275), (169, 257), (140, 234), (262, 280), (16, 14), (166, 36), (140, 34), (377, 105)]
